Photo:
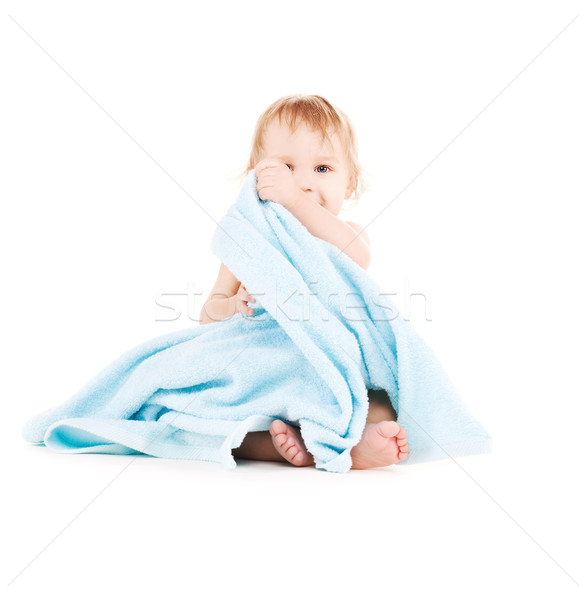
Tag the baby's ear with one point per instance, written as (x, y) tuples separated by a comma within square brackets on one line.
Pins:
[(351, 186)]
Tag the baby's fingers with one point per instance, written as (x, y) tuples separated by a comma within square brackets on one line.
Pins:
[(244, 295), (243, 308), (266, 163)]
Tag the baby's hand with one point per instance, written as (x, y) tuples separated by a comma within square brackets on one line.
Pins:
[(241, 298), (275, 182)]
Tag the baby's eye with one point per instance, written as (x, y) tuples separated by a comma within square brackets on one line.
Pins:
[(290, 167), (323, 167)]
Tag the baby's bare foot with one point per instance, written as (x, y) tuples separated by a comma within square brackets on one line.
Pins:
[(289, 443), (382, 444)]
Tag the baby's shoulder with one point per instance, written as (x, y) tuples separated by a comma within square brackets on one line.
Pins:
[(360, 230)]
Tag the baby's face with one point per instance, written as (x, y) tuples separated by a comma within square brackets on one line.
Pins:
[(320, 171)]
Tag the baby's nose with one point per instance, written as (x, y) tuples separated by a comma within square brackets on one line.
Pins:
[(304, 180), (305, 184)]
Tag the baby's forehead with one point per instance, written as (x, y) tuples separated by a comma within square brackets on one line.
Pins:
[(327, 137)]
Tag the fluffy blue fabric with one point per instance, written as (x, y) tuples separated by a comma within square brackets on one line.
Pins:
[(322, 334)]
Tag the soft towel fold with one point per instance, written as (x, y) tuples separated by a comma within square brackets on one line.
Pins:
[(320, 337)]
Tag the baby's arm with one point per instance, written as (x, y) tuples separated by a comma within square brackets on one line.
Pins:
[(320, 222), (228, 296), (348, 237)]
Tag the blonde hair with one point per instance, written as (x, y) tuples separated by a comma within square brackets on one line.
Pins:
[(320, 116)]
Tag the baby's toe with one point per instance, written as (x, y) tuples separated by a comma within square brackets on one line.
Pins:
[(388, 428), (278, 427), (403, 448), (402, 442), (296, 456), (401, 434)]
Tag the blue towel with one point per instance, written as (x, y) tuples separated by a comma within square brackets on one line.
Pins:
[(321, 336)]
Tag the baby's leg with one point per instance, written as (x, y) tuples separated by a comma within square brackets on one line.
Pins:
[(383, 442), (281, 443), (379, 407), (258, 445)]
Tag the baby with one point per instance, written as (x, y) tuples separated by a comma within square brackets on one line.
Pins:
[(304, 155)]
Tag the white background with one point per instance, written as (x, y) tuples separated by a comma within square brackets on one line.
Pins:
[(123, 129)]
